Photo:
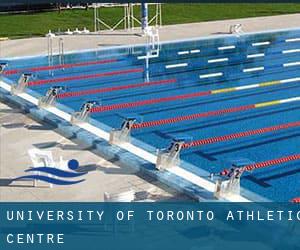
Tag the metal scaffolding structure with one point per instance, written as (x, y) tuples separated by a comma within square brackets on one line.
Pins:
[(129, 20)]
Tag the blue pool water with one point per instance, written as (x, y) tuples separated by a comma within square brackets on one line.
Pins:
[(237, 61)]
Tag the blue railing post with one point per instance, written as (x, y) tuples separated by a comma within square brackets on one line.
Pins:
[(144, 9)]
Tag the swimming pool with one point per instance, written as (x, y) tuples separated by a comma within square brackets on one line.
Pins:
[(232, 98)]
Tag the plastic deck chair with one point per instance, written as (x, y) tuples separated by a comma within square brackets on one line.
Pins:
[(128, 196), (40, 158), (236, 29)]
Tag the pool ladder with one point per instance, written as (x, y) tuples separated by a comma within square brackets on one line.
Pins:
[(61, 53), (50, 53), (153, 48)]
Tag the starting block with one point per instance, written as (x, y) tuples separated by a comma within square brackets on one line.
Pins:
[(227, 188), (170, 157), (22, 84), (84, 113), (3, 65), (122, 135), (50, 97), (231, 184)]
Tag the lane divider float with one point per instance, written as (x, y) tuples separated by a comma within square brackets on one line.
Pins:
[(65, 66), (234, 136), (81, 77), (161, 122), (116, 88), (188, 96)]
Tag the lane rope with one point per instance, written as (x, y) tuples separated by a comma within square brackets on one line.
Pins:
[(272, 162), (296, 200), (211, 113), (80, 77), (65, 66), (240, 135), (111, 89), (188, 96)]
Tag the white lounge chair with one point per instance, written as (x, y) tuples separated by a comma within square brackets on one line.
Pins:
[(128, 196), (43, 158), (236, 29)]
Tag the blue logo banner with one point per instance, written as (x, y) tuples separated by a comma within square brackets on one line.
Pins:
[(150, 226), (55, 175)]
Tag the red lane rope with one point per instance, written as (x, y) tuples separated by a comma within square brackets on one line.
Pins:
[(240, 134), (110, 89), (191, 117), (65, 66), (265, 164), (271, 162), (296, 200), (71, 78), (148, 102)]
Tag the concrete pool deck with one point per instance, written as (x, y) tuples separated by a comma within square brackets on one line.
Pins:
[(19, 133), (108, 177), (38, 45)]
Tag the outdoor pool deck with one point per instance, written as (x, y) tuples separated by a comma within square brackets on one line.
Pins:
[(194, 77), (38, 45), (103, 176)]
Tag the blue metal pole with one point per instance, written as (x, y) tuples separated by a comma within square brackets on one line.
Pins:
[(144, 9)]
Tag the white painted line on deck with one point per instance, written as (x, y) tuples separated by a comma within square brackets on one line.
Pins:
[(211, 75), (256, 55), (5, 86), (59, 113), (253, 69), (226, 47), (178, 65), (29, 98), (261, 44), (217, 60), (195, 179), (139, 152), (292, 40), (94, 130), (25, 96), (291, 64)]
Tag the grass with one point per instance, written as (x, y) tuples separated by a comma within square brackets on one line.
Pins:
[(38, 24)]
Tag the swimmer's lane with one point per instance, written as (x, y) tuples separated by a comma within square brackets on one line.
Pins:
[(264, 164), (86, 76), (271, 162), (115, 88), (188, 96), (234, 136), (60, 66), (176, 119)]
